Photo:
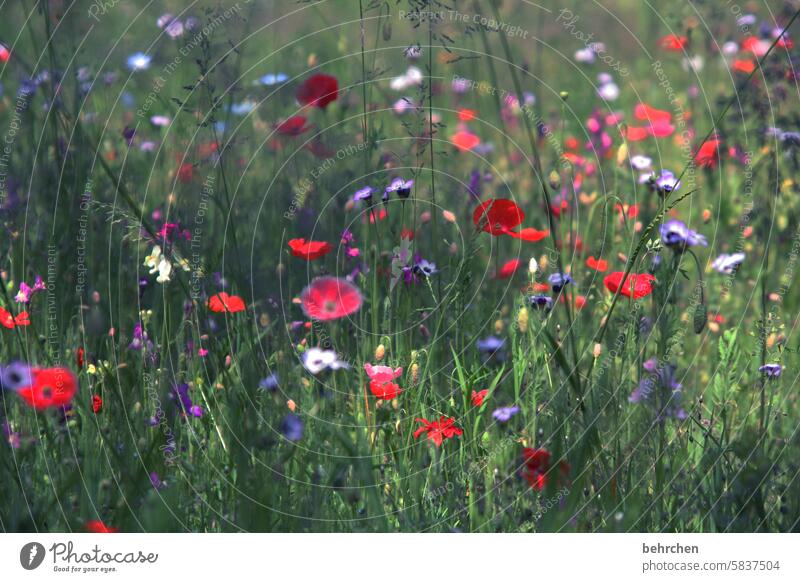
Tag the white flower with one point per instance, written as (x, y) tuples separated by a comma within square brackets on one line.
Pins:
[(609, 92), (164, 271), (641, 162), (693, 64), (316, 360), (158, 263), (727, 263)]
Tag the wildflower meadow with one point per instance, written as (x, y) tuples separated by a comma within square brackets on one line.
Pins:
[(399, 266)]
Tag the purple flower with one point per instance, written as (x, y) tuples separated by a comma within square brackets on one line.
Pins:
[(675, 234), (505, 413), (667, 182), (180, 393), (15, 376), (270, 383), (771, 370), (491, 344), (425, 268), (559, 280), (364, 193), (541, 301), (292, 427), (399, 186), (727, 264), (156, 482)]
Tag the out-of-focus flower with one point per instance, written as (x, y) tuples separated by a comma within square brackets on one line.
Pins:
[(292, 427), (319, 90), (505, 413), (726, 263), (478, 397), (771, 370), (139, 61)]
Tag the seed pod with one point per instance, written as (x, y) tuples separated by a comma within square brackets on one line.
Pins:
[(700, 318)]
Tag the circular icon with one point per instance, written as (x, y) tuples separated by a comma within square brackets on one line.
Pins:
[(31, 555)]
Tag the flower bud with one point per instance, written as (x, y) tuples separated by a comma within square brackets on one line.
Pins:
[(380, 352)]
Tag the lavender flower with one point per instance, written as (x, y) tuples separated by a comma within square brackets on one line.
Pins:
[(727, 264), (292, 427), (270, 383), (559, 280), (15, 376), (771, 370), (505, 413), (675, 234)]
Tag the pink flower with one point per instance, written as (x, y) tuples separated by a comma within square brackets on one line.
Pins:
[(382, 374)]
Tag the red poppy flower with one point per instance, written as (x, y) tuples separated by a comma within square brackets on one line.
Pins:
[(755, 45), (708, 154), (509, 269), (571, 143), (673, 42), (477, 397), (438, 430), (79, 358), (5, 54), (743, 66), (465, 140), (318, 90), (500, 216), (329, 298), (11, 321), (186, 173), (644, 112), (629, 210), (580, 302), (637, 286), (466, 115), (309, 250), (529, 234), (52, 387), (222, 302), (537, 466), (407, 233), (636, 133), (292, 126), (384, 390), (661, 128), (597, 264), (97, 526), (97, 404)]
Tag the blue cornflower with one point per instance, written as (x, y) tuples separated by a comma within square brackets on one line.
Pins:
[(541, 301), (560, 280), (292, 427), (270, 383), (273, 79), (15, 376), (399, 186), (675, 234), (505, 413), (771, 370)]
